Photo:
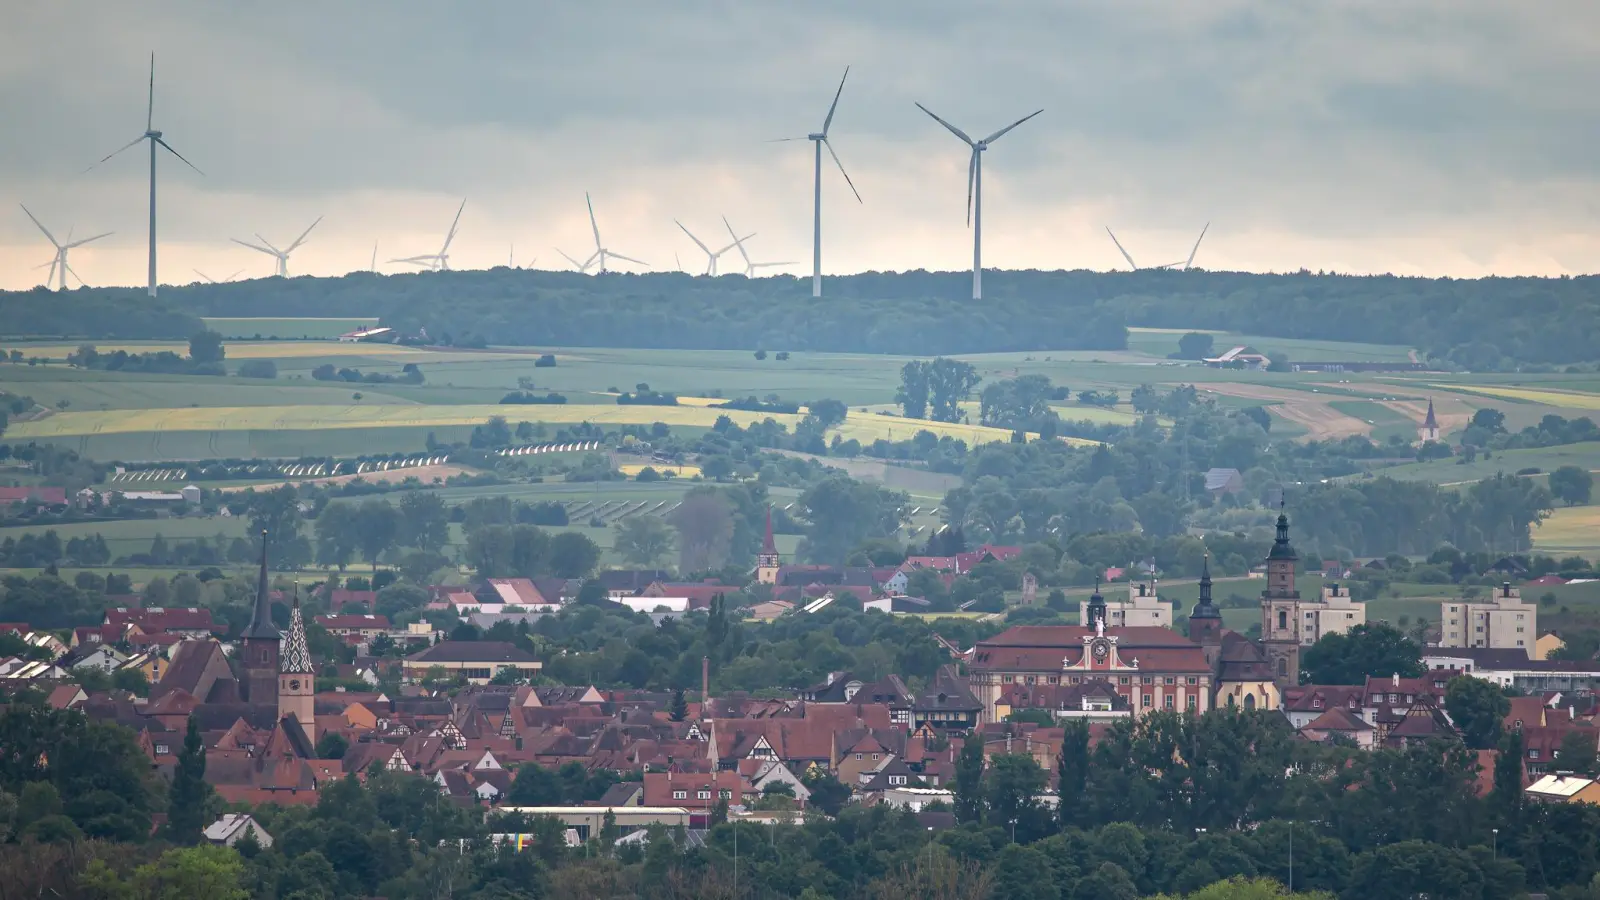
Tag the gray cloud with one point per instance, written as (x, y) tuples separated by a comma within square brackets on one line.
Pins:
[(1428, 137)]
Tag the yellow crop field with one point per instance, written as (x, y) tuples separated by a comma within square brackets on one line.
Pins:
[(1570, 529), (864, 428), (1548, 397), (633, 469)]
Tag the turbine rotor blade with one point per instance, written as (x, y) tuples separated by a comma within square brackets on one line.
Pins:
[(829, 145), (205, 276), (575, 264), (234, 275), (74, 273), (781, 140), (972, 177), (953, 130), (254, 246), (737, 242), (1131, 264), (452, 234), (81, 241), (302, 238), (115, 152), (592, 223), (829, 120), (697, 241), (610, 255), (996, 136), (150, 111), (177, 154), (1196, 249), (41, 227)]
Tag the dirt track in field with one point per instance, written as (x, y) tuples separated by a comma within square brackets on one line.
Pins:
[(1321, 421)]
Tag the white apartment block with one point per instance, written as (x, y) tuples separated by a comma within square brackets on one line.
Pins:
[(1308, 621), (1502, 621), (1142, 609)]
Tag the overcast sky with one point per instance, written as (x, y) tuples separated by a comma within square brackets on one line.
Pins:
[(1454, 137)]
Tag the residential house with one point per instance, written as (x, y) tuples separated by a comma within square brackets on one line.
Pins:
[(234, 827), (1221, 481), (1142, 609), (20, 496), (1564, 788), (366, 627), (695, 790), (476, 661), (187, 622), (1502, 621)]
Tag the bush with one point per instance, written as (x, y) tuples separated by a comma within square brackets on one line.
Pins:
[(547, 361), (761, 354), (530, 398), (646, 474)]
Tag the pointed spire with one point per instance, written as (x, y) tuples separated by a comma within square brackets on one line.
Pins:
[(261, 626), (768, 546), (1281, 548), (296, 659), (1097, 607), (1206, 608), (1431, 422)]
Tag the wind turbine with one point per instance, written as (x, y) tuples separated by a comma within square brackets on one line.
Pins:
[(1180, 266), (282, 256), (820, 138), (749, 267), (975, 189), (601, 254), (582, 267), (373, 267), (155, 138), (713, 256), (215, 281), (435, 262), (59, 263)]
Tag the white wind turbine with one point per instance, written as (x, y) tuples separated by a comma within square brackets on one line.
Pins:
[(59, 263), (282, 256), (601, 254), (1180, 266), (975, 190), (820, 138), (713, 256), (749, 267), (154, 137), (215, 281), (440, 261)]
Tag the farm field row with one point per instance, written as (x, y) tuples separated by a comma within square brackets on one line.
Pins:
[(245, 327)]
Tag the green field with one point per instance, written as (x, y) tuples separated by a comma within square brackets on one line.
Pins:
[(1452, 471), (1162, 341), (1386, 422), (282, 329)]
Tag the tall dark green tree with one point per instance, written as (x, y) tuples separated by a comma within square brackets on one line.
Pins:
[(1072, 772), (1477, 707), (680, 706), (186, 806), (1372, 649), (969, 779)]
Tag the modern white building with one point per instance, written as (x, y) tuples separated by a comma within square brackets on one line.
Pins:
[(1502, 621), (1142, 609)]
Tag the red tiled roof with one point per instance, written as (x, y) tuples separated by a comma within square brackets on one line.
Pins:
[(353, 621), (51, 495), (157, 618)]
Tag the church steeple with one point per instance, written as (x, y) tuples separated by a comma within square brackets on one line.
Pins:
[(296, 676), (1206, 608), (767, 562), (258, 643), (1281, 548)]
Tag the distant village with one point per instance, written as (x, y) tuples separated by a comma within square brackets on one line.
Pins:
[(683, 755)]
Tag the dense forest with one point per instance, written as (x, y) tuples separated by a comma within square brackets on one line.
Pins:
[(1534, 320)]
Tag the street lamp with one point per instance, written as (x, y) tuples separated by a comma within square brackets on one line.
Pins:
[(1494, 844)]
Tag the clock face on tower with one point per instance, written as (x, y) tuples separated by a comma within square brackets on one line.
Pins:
[(294, 684), (1101, 649)]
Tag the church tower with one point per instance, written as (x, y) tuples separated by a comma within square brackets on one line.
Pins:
[(258, 645), (1097, 608), (1280, 609), (296, 676), (767, 560), (1430, 425), (1205, 622)]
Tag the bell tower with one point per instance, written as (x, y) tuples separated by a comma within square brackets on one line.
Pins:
[(258, 644), (296, 676), (1280, 609), (767, 559), (1205, 622)]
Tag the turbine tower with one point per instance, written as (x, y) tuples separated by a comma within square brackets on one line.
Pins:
[(820, 138), (282, 256), (601, 254), (58, 265), (713, 256), (975, 189), (1181, 266), (436, 262), (749, 267), (155, 138)]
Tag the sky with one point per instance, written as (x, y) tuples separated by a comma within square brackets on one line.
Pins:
[(1434, 137)]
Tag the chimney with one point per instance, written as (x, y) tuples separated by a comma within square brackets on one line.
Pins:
[(1396, 679), (705, 686)]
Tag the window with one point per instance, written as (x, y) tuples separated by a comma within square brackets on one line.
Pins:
[(1032, 679), (703, 795), (163, 749), (1283, 618), (1191, 701), (1005, 679), (1308, 615), (1193, 680), (858, 756), (1349, 615), (1283, 666), (1171, 680), (897, 779), (1533, 753), (726, 794), (1145, 700), (1170, 701), (1124, 680), (1147, 680), (1054, 679), (874, 757), (680, 795)]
